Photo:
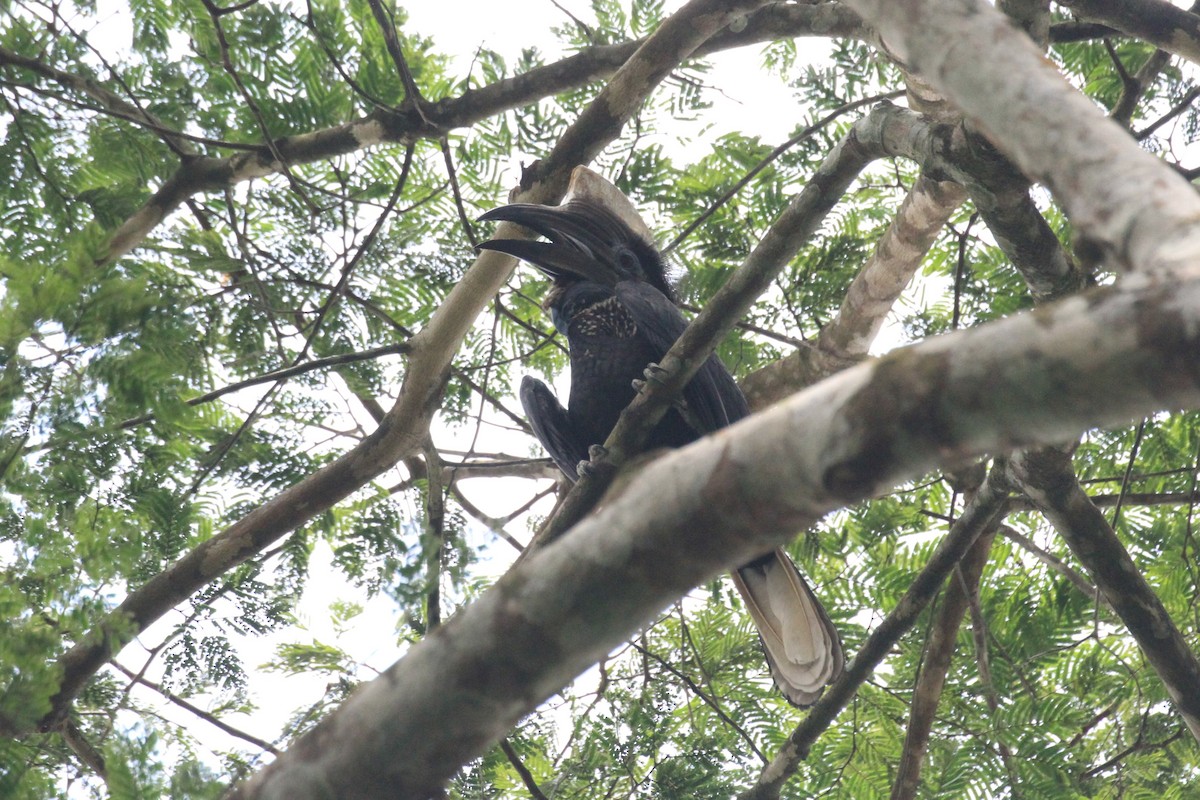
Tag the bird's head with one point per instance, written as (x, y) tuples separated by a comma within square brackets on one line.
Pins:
[(588, 242)]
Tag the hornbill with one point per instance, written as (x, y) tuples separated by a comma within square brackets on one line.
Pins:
[(611, 298)]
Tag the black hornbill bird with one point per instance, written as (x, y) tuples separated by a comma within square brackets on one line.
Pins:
[(611, 298)]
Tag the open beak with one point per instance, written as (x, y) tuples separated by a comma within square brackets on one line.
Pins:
[(582, 240)]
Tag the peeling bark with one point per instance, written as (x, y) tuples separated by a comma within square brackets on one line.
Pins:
[(844, 340), (1130, 210)]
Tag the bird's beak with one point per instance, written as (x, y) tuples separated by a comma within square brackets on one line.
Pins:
[(582, 240)]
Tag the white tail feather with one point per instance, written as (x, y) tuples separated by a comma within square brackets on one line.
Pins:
[(803, 649)]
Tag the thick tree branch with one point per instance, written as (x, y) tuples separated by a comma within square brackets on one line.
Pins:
[(1068, 32), (1162, 24), (946, 152), (1047, 477), (1129, 208), (697, 511), (874, 291), (950, 151)]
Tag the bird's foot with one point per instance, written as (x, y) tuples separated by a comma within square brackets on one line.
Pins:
[(653, 374), (596, 455), (656, 373)]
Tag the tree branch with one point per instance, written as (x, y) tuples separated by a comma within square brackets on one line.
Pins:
[(211, 719), (1129, 209), (697, 511), (936, 664), (527, 778), (769, 159), (1166, 26), (845, 338), (979, 633), (946, 152), (108, 101), (1046, 476), (434, 120), (1057, 564), (87, 753)]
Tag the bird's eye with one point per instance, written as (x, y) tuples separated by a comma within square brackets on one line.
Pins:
[(628, 262)]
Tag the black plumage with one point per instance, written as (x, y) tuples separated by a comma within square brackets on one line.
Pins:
[(611, 298)]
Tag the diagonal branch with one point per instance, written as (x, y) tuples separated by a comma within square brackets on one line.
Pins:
[(1048, 479), (391, 39), (936, 665), (1055, 563), (846, 338), (514, 758), (108, 101), (207, 716), (1000, 193), (1162, 24), (979, 633), (770, 158), (697, 511)]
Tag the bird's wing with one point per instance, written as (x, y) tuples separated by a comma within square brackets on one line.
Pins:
[(713, 397), (803, 648), (552, 427)]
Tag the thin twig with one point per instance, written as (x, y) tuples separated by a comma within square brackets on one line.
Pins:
[(526, 776), (197, 711)]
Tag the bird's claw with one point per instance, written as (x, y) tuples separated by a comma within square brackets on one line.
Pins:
[(596, 455), (656, 373)]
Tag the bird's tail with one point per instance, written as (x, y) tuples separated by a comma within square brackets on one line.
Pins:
[(803, 648)]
